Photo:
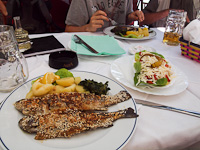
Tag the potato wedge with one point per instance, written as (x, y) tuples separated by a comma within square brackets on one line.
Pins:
[(30, 94), (77, 80), (65, 81), (70, 88), (57, 89), (80, 89)]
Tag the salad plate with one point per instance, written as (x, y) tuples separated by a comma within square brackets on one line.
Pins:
[(125, 75), (13, 138), (107, 31)]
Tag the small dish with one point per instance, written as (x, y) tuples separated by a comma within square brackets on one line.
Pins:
[(63, 59)]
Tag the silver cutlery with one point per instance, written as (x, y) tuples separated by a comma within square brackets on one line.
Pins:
[(160, 106), (78, 40), (113, 22)]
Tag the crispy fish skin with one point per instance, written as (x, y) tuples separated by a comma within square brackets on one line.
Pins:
[(60, 102), (70, 123)]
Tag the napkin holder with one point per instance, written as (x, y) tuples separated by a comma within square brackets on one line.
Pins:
[(190, 50)]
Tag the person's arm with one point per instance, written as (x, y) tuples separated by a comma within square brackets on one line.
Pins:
[(3, 8), (136, 15), (153, 17), (96, 21)]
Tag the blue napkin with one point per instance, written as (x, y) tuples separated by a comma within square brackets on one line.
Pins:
[(105, 45)]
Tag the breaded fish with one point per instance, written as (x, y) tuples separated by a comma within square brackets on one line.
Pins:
[(60, 102), (70, 123)]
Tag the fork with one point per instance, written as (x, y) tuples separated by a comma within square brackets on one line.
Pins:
[(113, 22)]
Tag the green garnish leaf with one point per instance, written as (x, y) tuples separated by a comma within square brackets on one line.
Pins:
[(161, 82), (63, 73), (137, 66), (157, 54), (136, 78)]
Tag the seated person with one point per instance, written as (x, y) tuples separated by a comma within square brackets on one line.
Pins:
[(3, 8), (156, 11), (92, 15)]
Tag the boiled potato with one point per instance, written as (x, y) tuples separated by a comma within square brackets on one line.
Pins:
[(40, 89), (30, 94), (70, 88), (68, 81), (80, 89), (77, 80), (57, 89)]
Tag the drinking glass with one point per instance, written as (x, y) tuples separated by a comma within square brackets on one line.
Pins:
[(13, 65), (174, 27)]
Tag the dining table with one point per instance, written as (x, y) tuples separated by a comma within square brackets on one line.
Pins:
[(156, 129)]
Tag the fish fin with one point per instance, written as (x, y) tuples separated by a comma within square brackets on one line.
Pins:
[(130, 113)]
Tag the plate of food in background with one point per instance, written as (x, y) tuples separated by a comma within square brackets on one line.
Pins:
[(130, 32), (149, 72)]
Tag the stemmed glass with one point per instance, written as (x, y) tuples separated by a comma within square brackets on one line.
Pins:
[(13, 65)]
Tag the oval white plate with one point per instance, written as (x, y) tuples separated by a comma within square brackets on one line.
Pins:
[(108, 32), (122, 70), (115, 137)]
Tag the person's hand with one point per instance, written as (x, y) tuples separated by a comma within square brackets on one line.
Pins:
[(97, 21), (3, 8), (137, 15)]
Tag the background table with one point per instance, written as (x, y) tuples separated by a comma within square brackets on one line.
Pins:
[(156, 129)]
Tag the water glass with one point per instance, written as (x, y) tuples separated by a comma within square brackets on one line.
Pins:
[(13, 65), (174, 27)]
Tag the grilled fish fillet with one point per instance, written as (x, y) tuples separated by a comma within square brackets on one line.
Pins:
[(60, 102), (70, 123)]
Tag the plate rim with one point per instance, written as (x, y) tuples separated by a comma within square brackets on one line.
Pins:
[(108, 32), (125, 141), (149, 92)]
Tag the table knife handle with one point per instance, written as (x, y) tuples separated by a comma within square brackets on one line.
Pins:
[(88, 46), (188, 112)]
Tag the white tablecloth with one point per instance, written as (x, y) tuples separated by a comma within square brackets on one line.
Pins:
[(156, 129)]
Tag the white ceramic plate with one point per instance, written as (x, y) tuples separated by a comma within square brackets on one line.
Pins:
[(115, 137), (122, 70), (108, 32)]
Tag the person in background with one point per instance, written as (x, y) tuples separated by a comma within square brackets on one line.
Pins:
[(93, 15), (156, 11), (3, 8)]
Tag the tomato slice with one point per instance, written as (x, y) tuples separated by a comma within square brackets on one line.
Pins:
[(167, 78), (150, 82)]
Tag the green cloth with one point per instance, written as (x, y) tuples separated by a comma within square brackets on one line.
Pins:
[(105, 45)]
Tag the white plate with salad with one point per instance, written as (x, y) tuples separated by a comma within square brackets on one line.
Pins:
[(126, 74), (107, 31)]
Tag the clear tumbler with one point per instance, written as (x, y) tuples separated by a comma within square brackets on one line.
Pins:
[(13, 65)]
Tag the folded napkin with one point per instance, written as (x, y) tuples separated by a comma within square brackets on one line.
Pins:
[(43, 45), (105, 45), (192, 32)]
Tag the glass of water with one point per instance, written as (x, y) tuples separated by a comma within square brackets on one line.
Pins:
[(174, 27), (13, 65)]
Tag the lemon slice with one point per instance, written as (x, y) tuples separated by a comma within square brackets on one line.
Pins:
[(49, 78)]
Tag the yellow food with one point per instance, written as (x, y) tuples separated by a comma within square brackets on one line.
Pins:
[(40, 89), (140, 32), (77, 80), (30, 94), (49, 78), (70, 88), (65, 81), (80, 89), (57, 89)]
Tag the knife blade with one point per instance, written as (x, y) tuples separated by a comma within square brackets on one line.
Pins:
[(160, 106)]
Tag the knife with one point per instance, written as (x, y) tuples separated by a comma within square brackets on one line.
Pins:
[(77, 39), (160, 106)]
